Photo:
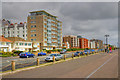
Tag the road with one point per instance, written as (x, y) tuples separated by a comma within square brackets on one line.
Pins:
[(100, 65), (22, 62)]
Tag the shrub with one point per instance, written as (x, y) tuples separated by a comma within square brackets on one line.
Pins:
[(48, 51), (59, 50), (17, 52), (69, 49)]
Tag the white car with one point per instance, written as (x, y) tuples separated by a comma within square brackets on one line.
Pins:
[(50, 57)]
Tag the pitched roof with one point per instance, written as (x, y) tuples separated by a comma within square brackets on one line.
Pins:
[(2, 39), (15, 39)]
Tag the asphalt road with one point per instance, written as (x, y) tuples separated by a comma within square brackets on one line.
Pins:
[(100, 65), (22, 62)]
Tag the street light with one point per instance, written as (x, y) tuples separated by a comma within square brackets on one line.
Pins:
[(106, 39)]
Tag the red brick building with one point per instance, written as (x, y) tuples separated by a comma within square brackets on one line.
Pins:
[(83, 43)]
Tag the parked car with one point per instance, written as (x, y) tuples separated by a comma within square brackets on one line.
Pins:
[(41, 54), (87, 51), (63, 51), (92, 50), (77, 53), (50, 57), (26, 55)]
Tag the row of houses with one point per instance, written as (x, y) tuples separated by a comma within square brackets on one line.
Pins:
[(16, 43), (41, 31), (70, 41)]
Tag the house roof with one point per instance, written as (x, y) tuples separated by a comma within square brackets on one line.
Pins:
[(2, 39), (15, 39)]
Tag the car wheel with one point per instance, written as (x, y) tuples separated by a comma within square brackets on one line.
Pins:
[(33, 56)]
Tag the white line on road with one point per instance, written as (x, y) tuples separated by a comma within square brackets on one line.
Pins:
[(99, 68)]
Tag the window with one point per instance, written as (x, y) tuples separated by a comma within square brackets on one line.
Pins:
[(17, 44), (23, 35), (20, 43), (7, 43), (31, 35), (33, 17), (25, 44), (33, 21), (33, 26), (34, 39), (29, 44), (31, 39)]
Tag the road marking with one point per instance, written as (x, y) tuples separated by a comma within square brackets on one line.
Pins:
[(99, 68)]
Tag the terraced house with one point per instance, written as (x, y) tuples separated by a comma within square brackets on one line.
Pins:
[(10, 29), (45, 30)]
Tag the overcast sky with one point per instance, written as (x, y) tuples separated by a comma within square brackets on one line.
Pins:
[(88, 19)]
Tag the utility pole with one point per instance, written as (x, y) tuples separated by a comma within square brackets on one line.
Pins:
[(106, 36)]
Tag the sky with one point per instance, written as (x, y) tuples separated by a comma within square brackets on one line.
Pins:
[(88, 19)]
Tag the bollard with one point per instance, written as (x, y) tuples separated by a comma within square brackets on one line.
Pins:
[(37, 61), (87, 53), (53, 58), (13, 65), (64, 57), (72, 55)]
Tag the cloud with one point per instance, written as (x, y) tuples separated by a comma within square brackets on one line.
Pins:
[(89, 19), (90, 11)]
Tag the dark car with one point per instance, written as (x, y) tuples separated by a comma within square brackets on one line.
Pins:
[(87, 52), (26, 55), (77, 53), (41, 54), (63, 51)]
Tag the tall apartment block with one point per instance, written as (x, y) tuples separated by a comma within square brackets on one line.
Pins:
[(72, 40), (45, 29), (14, 30)]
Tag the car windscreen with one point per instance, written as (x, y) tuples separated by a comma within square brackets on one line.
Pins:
[(52, 54), (23, 53)]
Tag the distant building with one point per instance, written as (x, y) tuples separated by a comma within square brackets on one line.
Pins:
[(83, 43), (72, 40), (5, 44), (20, 44), (14, 30), (45, 29), (66, 45), (96, 43)]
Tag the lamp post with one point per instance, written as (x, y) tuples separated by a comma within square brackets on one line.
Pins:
[(106, 36)]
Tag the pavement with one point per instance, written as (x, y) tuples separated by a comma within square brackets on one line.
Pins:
[(102, 65)]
